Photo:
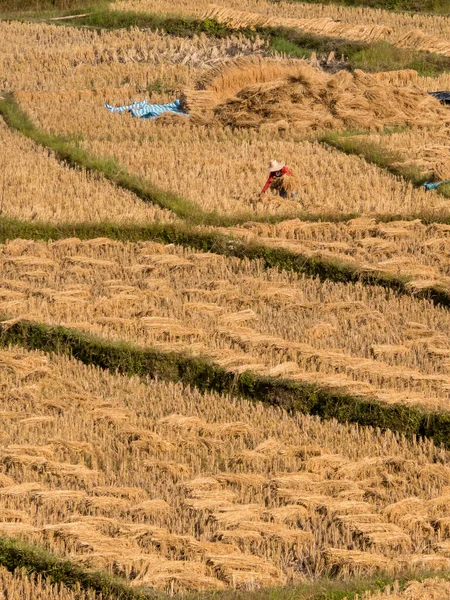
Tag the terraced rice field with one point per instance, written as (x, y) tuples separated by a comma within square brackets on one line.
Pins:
[(403, 249), (359, 339), (180, 490), (406, 31), (235, 162), (38, 187), (44, 57)]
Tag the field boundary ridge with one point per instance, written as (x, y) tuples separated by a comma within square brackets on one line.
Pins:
[(203, 374), (209, 240)]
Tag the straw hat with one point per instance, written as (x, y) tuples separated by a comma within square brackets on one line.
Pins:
[(274, 165)]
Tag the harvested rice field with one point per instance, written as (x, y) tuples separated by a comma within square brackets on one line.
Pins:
[(362, 340), (409, 250), (422, 32), (234, 161), (180, 490), (42, 57), (20, 586), (167, 490), (39, 188)]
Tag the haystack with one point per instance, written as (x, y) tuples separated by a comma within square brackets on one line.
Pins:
[(265, 93), (226, 79)]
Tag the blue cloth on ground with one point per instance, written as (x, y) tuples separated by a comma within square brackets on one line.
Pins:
[(432, 186), (144, 110)]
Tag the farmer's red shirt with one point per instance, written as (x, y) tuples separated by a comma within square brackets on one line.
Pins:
[(273, 174)]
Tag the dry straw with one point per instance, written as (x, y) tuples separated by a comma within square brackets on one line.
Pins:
[(309, 99), (357, 341), (213, 502)]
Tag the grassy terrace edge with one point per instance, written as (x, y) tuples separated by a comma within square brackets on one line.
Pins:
[(199, 372), (16, 554), (212, 241), (374, 153)]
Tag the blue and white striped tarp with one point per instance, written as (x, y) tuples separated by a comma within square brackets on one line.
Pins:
[(144, 110)]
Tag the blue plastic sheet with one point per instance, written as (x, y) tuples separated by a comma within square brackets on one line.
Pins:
[(428, 185)]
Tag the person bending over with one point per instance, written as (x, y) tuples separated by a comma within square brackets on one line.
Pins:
[(281, 180)]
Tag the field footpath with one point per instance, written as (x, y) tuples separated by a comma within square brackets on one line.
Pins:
[(205, 375)]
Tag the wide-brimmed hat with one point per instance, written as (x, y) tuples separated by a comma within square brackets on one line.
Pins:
[(274, 165)]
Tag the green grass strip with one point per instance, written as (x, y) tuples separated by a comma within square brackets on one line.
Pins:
[(15, 554), (200, 372), (325, 269), (388, 160)]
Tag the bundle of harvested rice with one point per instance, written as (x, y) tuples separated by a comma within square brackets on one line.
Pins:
[(228, 77), (313, 100)]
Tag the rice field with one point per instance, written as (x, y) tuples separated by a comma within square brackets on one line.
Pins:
[(36, 187), (220, 169), (423, 149), (362, 340), (179, 490), (422, 32), (409, 250), (43, 57)]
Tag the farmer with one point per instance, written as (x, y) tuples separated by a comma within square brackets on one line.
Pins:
[(281, 180)]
